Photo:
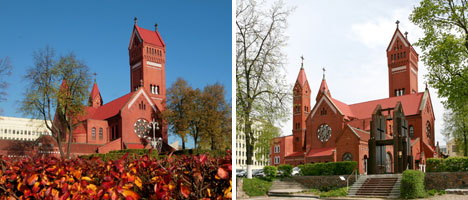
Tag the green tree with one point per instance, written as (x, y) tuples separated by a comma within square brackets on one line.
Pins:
[(455, 126), (56, 92), (262, 146), (179, 106), (215, 117), (445, 53), (261, 91), (5, 70), (445, 48)]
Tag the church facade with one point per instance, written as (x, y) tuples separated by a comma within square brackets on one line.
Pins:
[(331, 131)]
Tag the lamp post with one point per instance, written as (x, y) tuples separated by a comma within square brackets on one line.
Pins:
[(156, 143)]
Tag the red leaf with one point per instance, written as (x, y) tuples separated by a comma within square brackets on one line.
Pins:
[(151, 150), (203, 159), (125, 156), (223, 174), (185, 191)]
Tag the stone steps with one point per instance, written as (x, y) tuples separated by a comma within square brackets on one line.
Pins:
[(280, 188), (381, 186)]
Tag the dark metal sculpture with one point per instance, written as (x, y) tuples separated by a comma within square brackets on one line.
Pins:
[(402, 156)]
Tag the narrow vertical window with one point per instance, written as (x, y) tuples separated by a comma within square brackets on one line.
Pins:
[(93, 133), (100, 134)]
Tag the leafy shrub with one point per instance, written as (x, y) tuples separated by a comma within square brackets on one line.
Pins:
[(270, 172), (339, 192), (432, 192), (256, 186), (175, 177), (442, 192), (286, 169), (330, 168), (452, 164), (412, 184), (435, 165)]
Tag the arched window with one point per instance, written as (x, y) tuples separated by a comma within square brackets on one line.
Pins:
[(100, 134), (428, 129), (93, 133), (411, 131), (157, 90), (347, 157)]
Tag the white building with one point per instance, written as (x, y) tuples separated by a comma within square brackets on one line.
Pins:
[(241, 154), (14, 128)]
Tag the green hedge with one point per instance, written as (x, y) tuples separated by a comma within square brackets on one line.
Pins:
[(270, 172), (452, 164), (330, 168), (412, 184), (133, 153), (286, 169)]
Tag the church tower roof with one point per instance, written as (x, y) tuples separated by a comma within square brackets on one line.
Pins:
[(301, 77), (148, 36), (323, 87), (95, 99)]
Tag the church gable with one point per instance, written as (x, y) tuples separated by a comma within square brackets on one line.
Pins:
[(324, 106), (399, 39), (142, 101), (135, 40)]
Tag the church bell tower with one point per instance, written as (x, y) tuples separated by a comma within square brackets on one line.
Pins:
[(301, 108), (147, 53), (402, 65)]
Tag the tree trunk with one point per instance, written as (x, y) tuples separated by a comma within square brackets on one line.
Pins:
[(70, 134), (465, 152), (183, 144), (248, 144), (59, 143)]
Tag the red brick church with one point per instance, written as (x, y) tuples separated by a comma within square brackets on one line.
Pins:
[(331, 130), (123, 123)]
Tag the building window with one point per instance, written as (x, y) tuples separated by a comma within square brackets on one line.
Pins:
[(454, 148), (411, 131), (347, 157), (277, 148), (93, 133), (277, 160), (100, 133)]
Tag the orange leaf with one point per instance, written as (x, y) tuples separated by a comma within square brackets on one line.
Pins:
[(223, 174), (36, 187), (85, 178), (185, 191), (138, 182), (32, 179), (129, 194)]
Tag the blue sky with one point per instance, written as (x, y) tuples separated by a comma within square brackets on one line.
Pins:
[(197, 35)]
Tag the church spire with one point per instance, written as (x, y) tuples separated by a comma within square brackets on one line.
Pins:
[(95, 99), (323, 87)]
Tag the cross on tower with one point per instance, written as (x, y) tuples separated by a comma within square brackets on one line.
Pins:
[(95, 74), (397, 22), (135, 19), (302, 62), (323, 72)]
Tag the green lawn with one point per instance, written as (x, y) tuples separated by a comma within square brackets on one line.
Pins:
[(339, 192), (256, 186)]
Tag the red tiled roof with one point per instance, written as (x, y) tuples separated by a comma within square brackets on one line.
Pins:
[(151, 37), (321, 152), (344, 108), (410, 104), (293, 154), (363, 135), (110, 109), (301, 77)]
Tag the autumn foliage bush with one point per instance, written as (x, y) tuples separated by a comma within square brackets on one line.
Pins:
[(175, 177)]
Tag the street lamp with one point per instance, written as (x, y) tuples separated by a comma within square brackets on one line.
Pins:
[(156, 143)]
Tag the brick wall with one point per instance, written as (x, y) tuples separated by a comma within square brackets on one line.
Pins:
[(445, 180)]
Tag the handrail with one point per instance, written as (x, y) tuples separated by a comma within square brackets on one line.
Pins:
[(355, 173)]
